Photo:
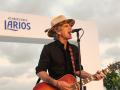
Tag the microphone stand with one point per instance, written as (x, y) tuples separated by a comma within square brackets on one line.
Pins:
[(78, 42)]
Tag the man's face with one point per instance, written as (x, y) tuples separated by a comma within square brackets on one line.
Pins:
[(65, 31)]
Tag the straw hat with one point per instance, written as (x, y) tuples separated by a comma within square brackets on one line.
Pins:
[(56, 21)]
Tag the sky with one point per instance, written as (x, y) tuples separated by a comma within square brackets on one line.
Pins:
[(105, 13)]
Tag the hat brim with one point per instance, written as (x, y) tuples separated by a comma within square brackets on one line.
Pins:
[(51, 31)]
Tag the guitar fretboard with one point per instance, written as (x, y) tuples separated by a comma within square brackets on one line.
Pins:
[(91, 78)]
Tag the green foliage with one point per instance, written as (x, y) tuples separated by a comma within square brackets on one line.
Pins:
[(112, 80)]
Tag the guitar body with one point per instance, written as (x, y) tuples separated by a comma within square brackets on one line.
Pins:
[(71, 79), (44, 86)]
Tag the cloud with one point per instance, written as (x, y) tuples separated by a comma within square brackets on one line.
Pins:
[(13, 71), (19, 52), (21, 83), (28, 6), (17, 75), (17, 65), (106, 14), (113, 52), (109, 30)]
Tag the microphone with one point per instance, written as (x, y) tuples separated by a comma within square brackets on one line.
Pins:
[(76, 30)]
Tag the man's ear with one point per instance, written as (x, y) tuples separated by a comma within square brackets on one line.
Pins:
[(58, 32)]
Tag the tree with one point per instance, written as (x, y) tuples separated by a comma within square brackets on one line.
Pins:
[(112, 80)]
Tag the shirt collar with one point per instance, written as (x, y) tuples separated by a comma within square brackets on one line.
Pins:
[(62, 45)]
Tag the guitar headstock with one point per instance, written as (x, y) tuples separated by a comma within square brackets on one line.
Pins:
[(115, 66)]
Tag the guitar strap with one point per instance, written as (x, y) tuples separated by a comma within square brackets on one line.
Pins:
[(72, 58), (38, 81)]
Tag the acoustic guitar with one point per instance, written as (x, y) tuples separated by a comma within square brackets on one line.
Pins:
[(72, 80)]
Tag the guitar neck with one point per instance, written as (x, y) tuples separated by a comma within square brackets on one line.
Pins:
[(92, 78)]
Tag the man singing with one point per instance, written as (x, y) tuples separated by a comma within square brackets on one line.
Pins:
[(60, 57)]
